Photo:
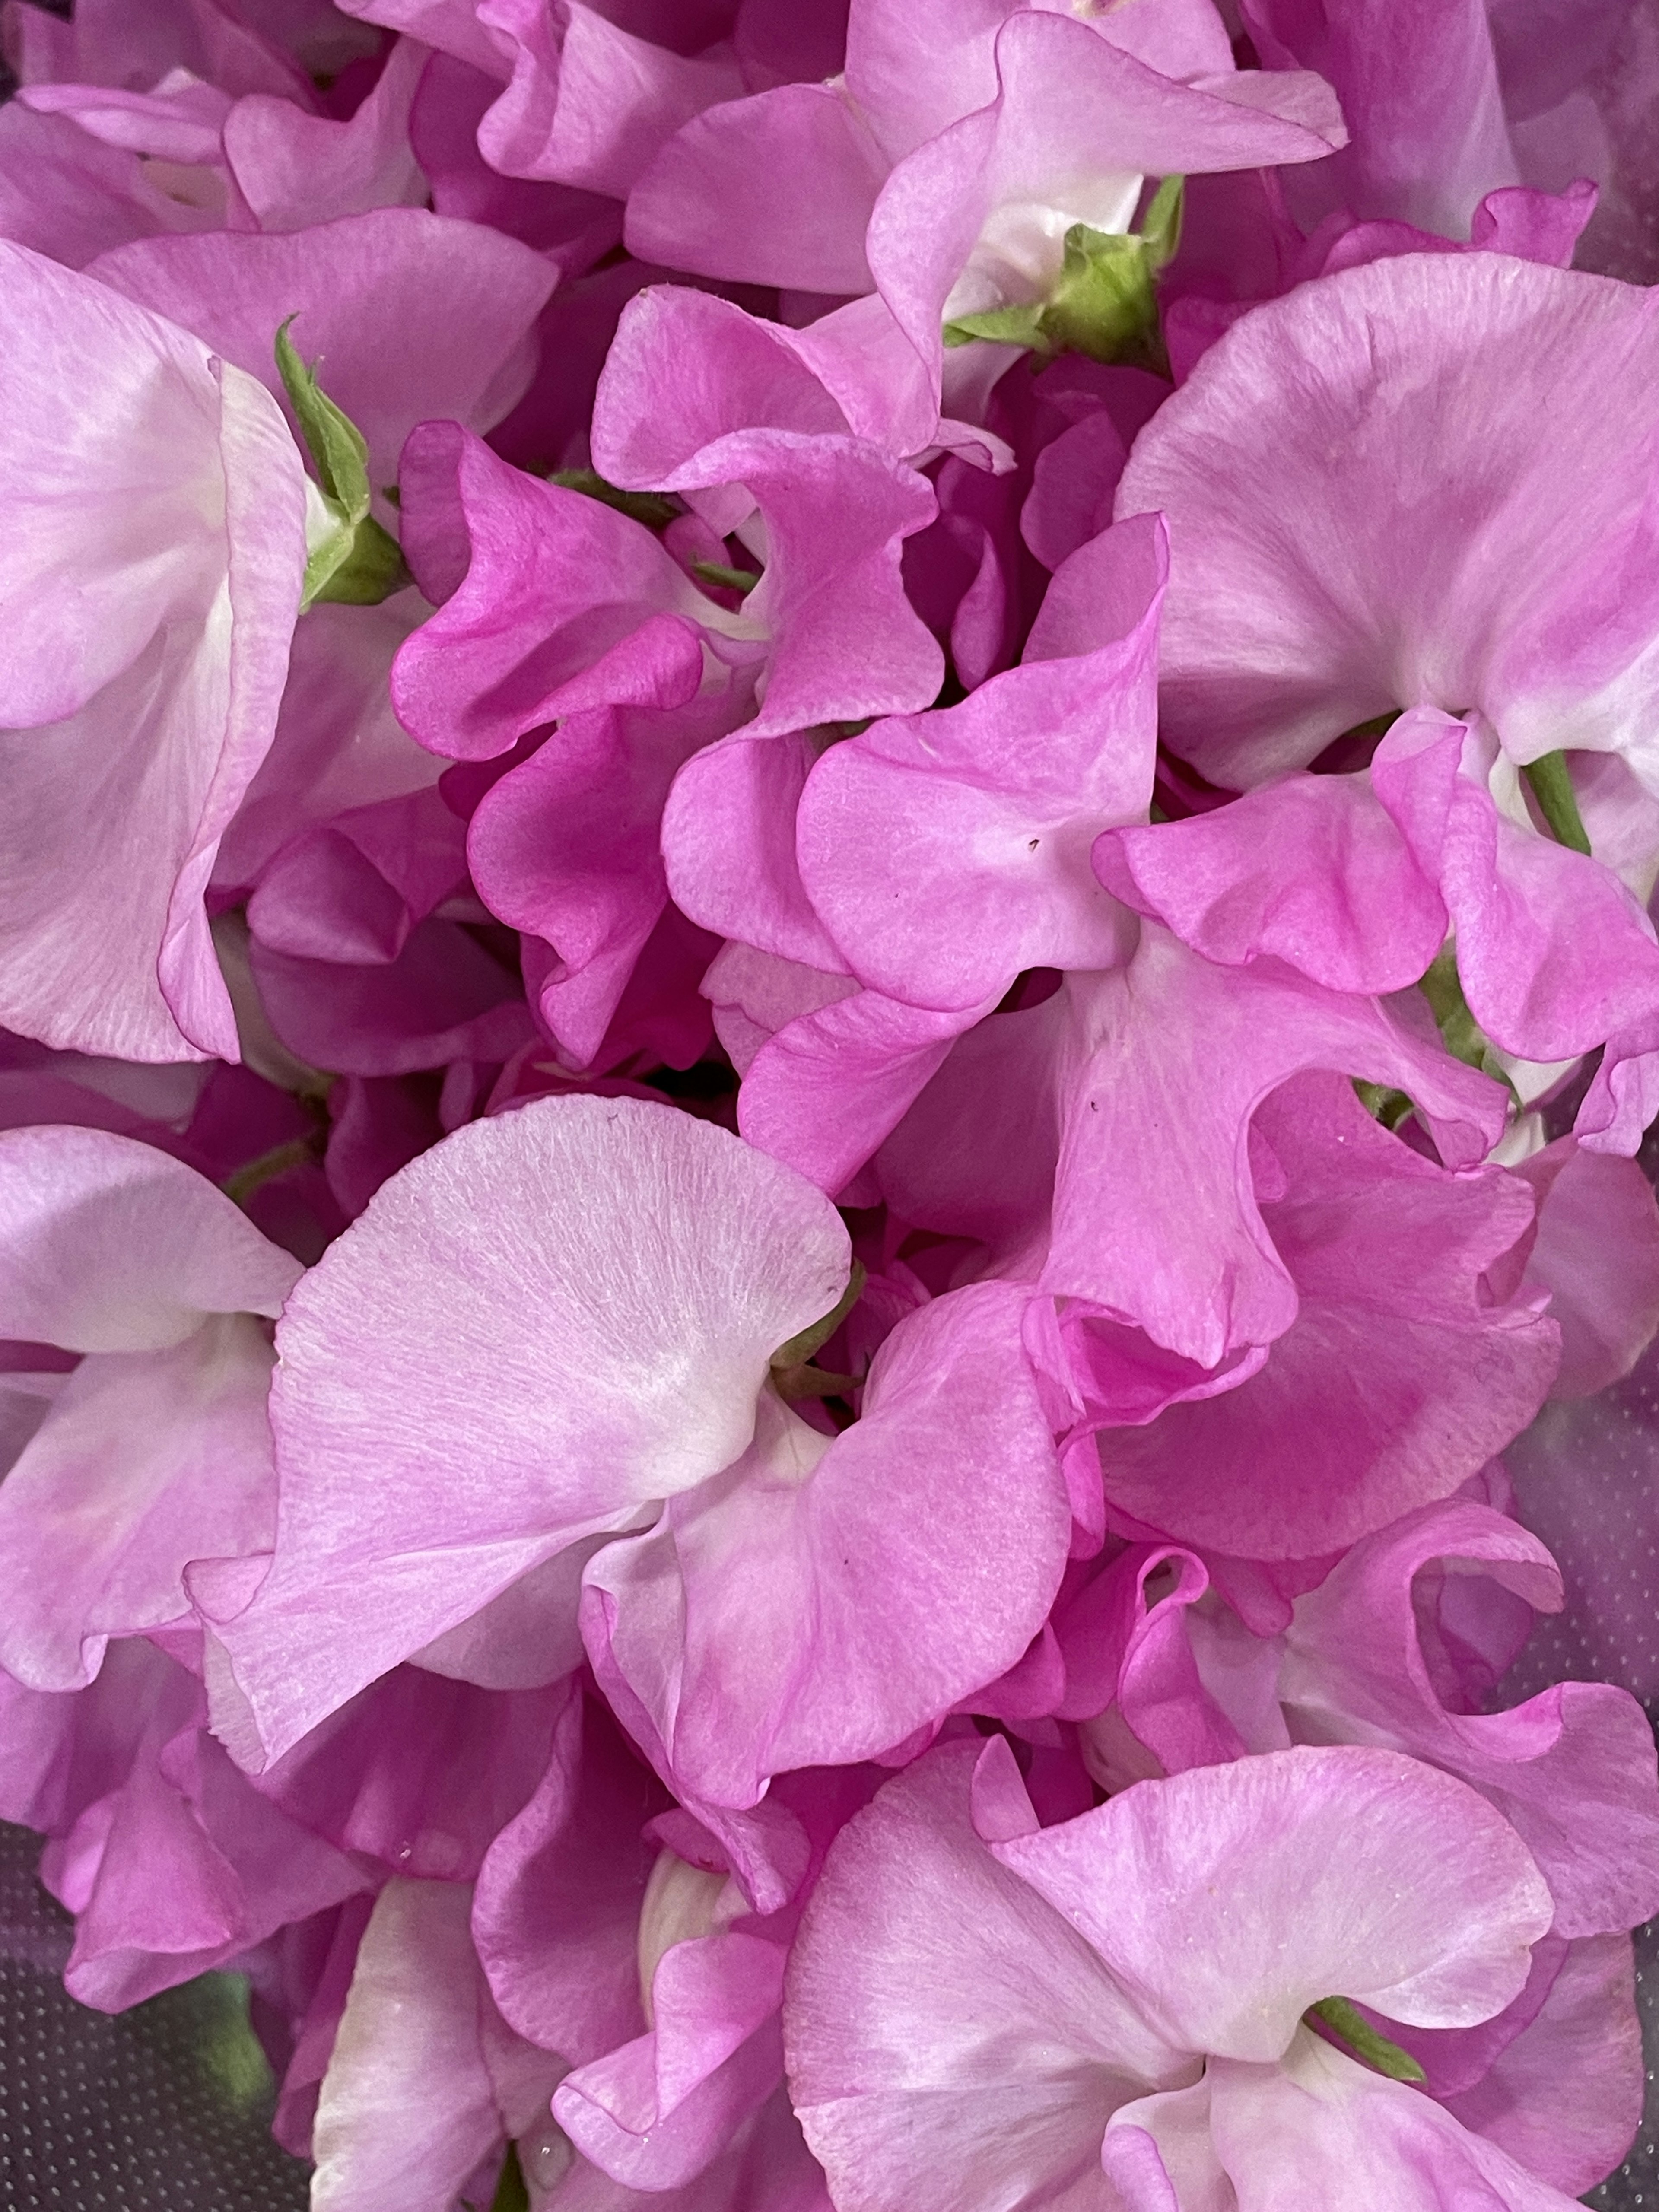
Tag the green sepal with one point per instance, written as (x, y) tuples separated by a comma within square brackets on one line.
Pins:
[(799, 1349), (358, 563), (372, 567), (1383, 1104), (1104, 303), (338, 449), (1020, 327), (654, 508), (1460, 1032), (723, 579), (1551, 781), (1348, 2022)]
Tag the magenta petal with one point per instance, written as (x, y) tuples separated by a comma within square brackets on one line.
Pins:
[(825, 1090), (583, 1409), (539, 585), (1402, 1375), (555, 1914), (1311, 871), (567, 847), (947, 851), (655, 2113), (687, 368), (1195, 1268), (294, 169), (728, 847), (1554, 954), (594, 109), (777, 189)]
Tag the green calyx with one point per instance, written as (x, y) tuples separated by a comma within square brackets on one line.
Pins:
[(654, 508), (1460, 1032), (1104, 303), (794, 1375), (358, 563), (1348, 2023), (1551, 784), (741, 580)]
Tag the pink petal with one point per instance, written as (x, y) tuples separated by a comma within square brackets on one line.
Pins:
[(1571, 1770), (463, 301), (777, 189), (916, 1941), (1434, 375), (158, 673), (588, 1407), (835, 1595), (1296, 1875), (1311, 871)]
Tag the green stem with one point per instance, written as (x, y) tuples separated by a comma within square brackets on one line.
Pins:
[(1551, 787), (298, 1152)]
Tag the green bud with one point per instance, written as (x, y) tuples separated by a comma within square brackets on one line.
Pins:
[(358, 563), (1104, 303), (1346, 2020), (1551, 787)]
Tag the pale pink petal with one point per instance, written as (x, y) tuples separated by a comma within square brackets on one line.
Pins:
[(643, 1266), (1296, 1875), (824, 1599), (110, 1246), (146, 662), (462, 300), (950, 2041)]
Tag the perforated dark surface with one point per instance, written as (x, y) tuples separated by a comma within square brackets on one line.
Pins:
[(140, 2113), (1587, 1481)]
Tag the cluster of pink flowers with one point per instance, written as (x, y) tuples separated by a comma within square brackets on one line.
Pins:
[(826, 981)]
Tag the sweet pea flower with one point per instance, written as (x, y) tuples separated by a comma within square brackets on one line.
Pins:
[(149, 605), (1399, 1643), (1520, 781), (554, 605), (939, 176), (159, 1439), (758, 1594), (844, 857), (661, 2110), (1415, 1354), (171, 1862), (428, 2093), (982, 2013), (585, 95)]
